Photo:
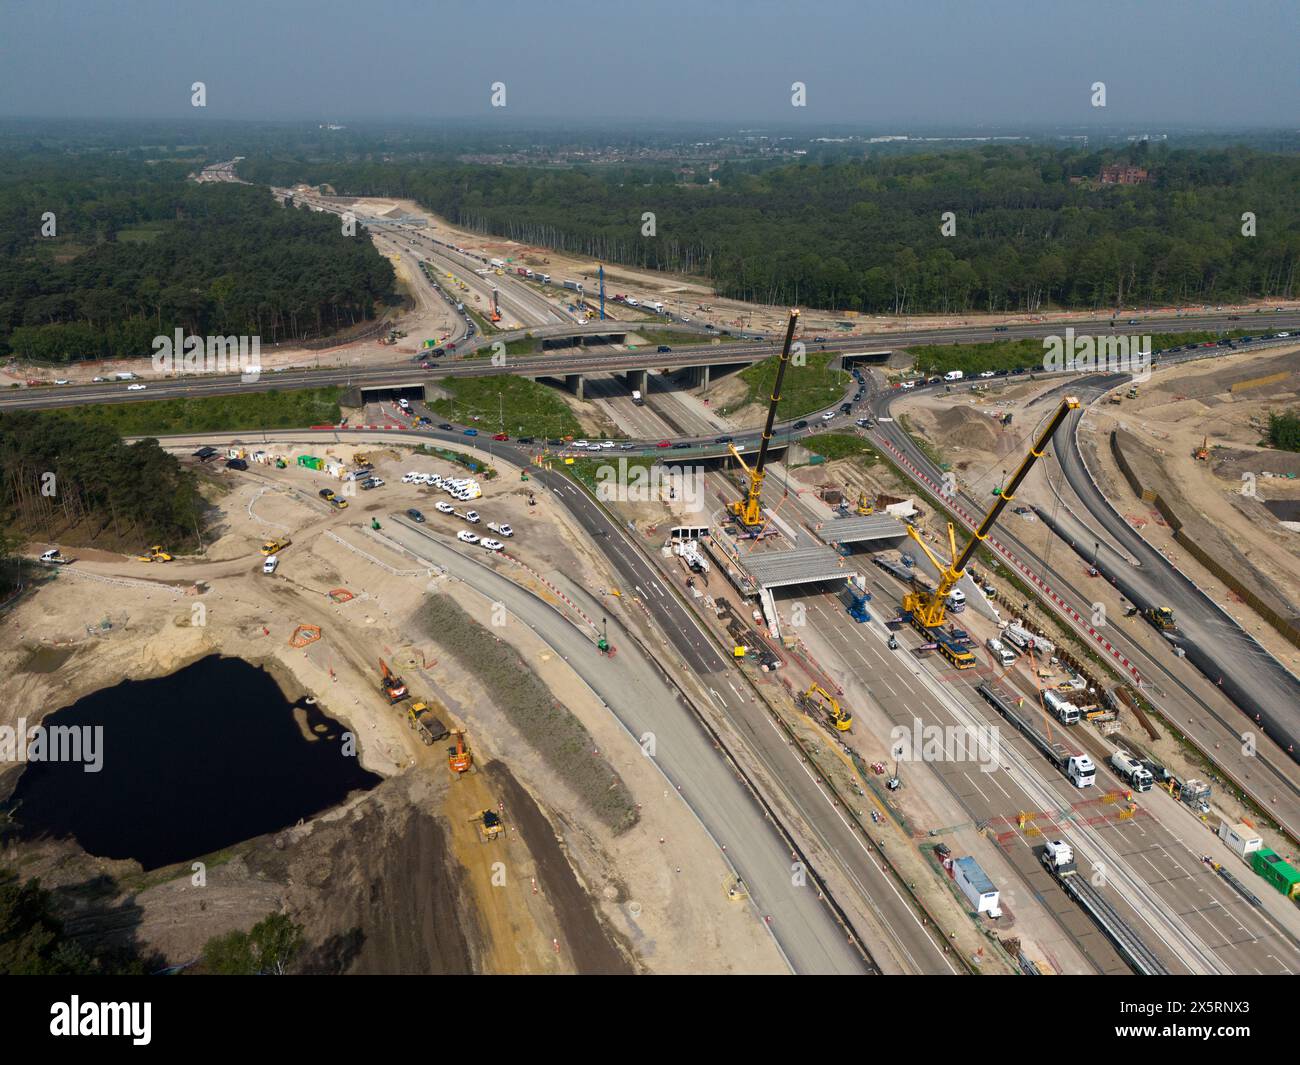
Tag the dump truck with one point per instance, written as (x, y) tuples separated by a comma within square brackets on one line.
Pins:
[(430, 729)]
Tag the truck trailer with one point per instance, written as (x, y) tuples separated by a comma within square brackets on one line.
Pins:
[(1133, 772), (1078, 768)]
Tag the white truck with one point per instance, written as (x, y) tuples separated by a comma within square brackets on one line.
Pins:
[(1026, 640), (1000, 651), (1079, 768), (1066, 712), (637, 398), (953, 375), (54, 557), (1133, 772), (956, 601)]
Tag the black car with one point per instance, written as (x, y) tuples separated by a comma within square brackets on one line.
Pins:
[(1000, 373), (724, 440), (999, 329), (445, 425), (415, 516), (1017, 371), (682, 443), (236, 464), (819, 340), (845, 408), (205, 453), (523, 440), (663, 347), (801, 425)]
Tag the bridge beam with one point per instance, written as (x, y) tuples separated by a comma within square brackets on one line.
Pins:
[(576, 384)]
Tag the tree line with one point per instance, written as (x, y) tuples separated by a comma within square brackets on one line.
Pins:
[(100, 255), (865, 234), (70, 481)]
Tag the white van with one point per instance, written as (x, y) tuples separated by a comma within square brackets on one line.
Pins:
[(269, 565), (953, 375)]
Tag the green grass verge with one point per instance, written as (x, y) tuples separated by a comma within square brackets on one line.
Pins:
[(245, 410), (814, 386), (504, 401), (550, 728), (1008, 354), (674, 339), (841, 446)]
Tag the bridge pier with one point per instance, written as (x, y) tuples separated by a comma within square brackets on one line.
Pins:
[(576, 384), (638, 380), (702, 378)]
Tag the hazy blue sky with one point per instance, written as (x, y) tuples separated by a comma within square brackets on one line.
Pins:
[(1201, 62)]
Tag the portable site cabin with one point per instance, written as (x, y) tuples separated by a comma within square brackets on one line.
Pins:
[(1240, 839), (1271, 867), (976, 886), (310, 461)]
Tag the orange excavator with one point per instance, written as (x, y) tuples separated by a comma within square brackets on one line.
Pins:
[(391, 685), (459, 758)]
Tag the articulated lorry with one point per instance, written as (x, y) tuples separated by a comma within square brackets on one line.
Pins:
[(1078, 768), (1021, 637)]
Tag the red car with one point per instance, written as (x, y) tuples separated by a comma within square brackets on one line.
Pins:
[(501, 436), (664, 443)]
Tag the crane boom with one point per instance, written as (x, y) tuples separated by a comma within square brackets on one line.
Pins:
[(927, 607), (749, 511)]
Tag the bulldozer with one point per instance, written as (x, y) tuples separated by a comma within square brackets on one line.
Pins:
[(817, 700), (274, 547), (490, 825), (391, 686), (459, 758), (156, 554)]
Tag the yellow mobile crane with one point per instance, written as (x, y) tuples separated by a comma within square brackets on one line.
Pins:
[(749, 511), (925, 608)]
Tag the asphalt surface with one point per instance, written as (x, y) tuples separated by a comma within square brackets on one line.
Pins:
[(643, 701)]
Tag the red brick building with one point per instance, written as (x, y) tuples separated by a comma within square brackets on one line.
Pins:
[(1118, 174)]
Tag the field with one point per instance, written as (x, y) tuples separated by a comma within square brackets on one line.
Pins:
[(252, 410), (513, 404), (808, 388), (840, 446)]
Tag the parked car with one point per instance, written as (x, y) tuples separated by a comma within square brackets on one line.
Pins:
[(443, 507), (467, 537), (472, 517), (415, 516), (491, 544), (269, 565), (501, 529), (236, 464)]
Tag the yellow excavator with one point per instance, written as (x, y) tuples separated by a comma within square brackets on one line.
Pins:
[(749, 511), (818, 700), (925, 608), (864, 506)]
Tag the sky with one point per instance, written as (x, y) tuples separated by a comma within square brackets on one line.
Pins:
[(1201, 63)]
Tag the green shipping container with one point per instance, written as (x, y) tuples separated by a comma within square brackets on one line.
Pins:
[(310, 461), (1272, 868)]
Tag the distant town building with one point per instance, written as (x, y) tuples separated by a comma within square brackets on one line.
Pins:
[(1118, 174)]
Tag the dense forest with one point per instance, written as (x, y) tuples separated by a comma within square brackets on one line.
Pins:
[(75, 482), (1284, 430), (865, 234), (138, 251)]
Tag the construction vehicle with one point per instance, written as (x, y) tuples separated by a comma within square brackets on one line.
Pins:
[(925, 608), (749, 511), (1131, 770), (1161, 617), (864, 507), (459, 758), (817, 700), (490, 825), (391, 686), (274, 547), (156, 554), (1202, 453), (1133, 392), (420, 718)]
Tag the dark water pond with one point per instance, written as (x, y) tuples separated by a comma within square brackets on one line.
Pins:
[(189, 763)]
